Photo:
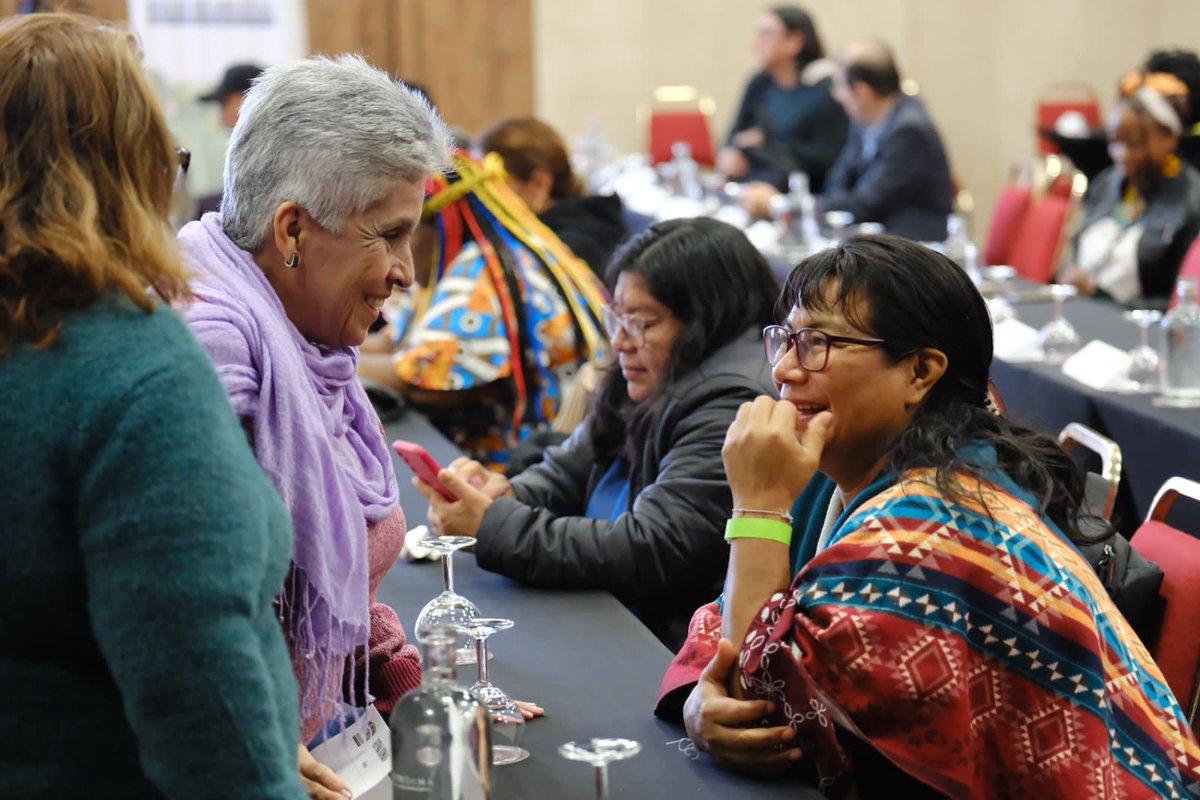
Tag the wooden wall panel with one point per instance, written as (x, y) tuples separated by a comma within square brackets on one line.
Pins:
[(475, 57), (352, 26)]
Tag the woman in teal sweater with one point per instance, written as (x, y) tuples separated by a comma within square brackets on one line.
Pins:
[(140, 544)]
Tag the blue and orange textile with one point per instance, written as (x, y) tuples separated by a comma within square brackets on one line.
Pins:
[(507, 305)]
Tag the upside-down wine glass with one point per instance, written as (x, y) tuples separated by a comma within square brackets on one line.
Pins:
[(598, 753), (1058, 337), (449, 607), (1145, 367), (508, 723)]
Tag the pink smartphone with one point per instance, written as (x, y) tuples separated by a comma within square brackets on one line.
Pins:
[(422, 465)]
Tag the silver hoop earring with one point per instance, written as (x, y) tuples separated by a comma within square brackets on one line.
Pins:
[(293, 261)]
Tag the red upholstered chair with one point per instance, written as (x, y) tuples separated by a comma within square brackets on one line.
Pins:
[(1058, 99), (1040, 236), (680, 115), (1177, 650), (1100, 488), (1010, 210)]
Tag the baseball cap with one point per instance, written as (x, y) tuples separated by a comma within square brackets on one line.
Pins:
[(236, 79)]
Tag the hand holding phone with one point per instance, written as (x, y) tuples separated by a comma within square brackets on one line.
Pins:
[(423, 466)]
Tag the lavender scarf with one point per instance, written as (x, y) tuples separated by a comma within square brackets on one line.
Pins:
[(317, 438)]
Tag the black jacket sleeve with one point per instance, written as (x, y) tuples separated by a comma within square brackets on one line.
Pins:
[(747, 113), (672, 538), (813, 155), (903, 158), (559, 482)]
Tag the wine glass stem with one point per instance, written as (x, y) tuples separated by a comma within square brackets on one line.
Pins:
[(481, 659), (602, 782), (1058, 307), (1144, 331), (448, 571)]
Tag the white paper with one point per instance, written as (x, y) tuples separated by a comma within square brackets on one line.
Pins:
[(361, 755), (1014, 341), (413, 549), (764, 236), (1100, 366)]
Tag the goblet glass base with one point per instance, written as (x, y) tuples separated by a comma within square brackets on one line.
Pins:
[(503, 754)]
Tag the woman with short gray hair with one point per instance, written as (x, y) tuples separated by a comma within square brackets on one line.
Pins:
[(324, 181)]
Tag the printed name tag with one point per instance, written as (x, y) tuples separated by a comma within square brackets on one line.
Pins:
[(1100, 366), (361, 755), (1016, 342)]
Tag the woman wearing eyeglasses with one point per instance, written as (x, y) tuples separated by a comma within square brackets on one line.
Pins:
[(633, 502), (912, 616)]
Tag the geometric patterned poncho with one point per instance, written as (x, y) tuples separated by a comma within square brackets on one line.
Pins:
[(971, 646)]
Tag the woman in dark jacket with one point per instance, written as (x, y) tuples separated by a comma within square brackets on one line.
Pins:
[(788, 120), (1140, 214), (631, 502)]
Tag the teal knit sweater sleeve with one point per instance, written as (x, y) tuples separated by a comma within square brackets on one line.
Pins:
[(184, 544)]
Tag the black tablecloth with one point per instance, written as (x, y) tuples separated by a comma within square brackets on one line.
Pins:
[(584, 658), (1156, 443)]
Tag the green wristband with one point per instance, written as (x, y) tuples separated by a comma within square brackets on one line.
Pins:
[(753, 528)]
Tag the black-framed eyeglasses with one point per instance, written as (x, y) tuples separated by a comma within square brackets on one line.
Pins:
[(812, 345), (634, 327)]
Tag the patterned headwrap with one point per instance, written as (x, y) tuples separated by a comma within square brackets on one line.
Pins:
[(1154, 92)]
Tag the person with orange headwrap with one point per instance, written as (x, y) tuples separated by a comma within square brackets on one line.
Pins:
[(1140, 214), (504, 316)]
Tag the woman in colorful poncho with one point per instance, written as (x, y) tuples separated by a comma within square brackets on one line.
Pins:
[(931, 631), (503, 318)]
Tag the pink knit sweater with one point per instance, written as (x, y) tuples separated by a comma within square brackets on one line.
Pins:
[(395, 665)]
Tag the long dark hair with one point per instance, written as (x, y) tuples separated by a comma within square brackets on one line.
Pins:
[(916, 298), (715, 282), (796, 20)]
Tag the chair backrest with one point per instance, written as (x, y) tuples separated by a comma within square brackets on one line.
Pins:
[(1100, 492), (1010, 210), (680, 115), (1060, 98), (1040, 237), (1191, 264), (1177, 650)]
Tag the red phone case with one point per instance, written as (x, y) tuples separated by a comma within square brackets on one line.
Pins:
[(422, 465)]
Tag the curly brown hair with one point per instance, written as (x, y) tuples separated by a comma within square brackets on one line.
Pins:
[(87, 166)]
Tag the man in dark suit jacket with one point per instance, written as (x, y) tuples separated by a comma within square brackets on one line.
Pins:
[(893, 169)]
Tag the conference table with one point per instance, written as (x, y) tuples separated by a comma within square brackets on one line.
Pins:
[(584, 658), (1156, 442)]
